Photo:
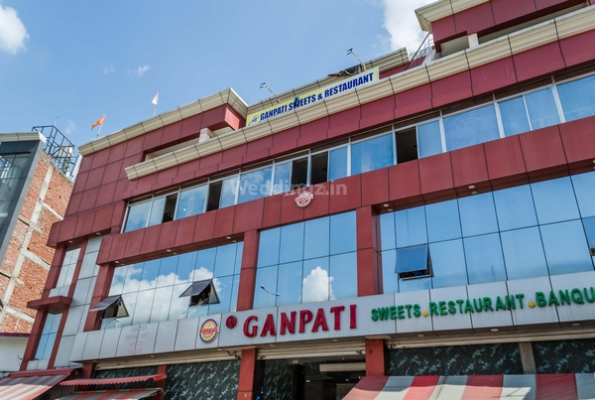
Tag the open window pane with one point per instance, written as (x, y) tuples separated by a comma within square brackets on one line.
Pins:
[(214, 195), (201, 293), (138, 215), (319, 168), (413, 262), (406, 145), (429, 139), (228, 192), (299, 173)]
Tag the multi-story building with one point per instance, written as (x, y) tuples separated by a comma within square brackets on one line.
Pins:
[(35, 184), (423, 225)]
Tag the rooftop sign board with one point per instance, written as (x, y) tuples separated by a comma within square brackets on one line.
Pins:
[(315, 96)]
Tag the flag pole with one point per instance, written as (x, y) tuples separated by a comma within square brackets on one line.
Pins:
[(99, 131)]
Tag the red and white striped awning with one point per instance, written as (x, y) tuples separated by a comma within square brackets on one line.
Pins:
[(28, 387), (114, 381), (112, 395), (476, 387)]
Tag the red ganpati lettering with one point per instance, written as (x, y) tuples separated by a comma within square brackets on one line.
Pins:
[(250, 331)]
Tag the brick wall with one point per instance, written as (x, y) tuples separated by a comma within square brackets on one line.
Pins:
[(24, 269)]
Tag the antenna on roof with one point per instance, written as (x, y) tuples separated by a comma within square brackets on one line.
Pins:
[(350, 51), (265, 86)]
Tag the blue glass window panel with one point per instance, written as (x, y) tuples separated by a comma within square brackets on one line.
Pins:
[(179, 305), (443, 221), (554, 200), (186, 265), (429, 140), (388, 233), (471, 127), (223, 286), (142, 314), (266, 277), (129, 300), (448, 264), (390, 279), (566, 249), (372, 154), (542, 109), (168, 271), (289, 287), (478, 214), (233, 306), (268, 248), (514, 116), (239, 254), (43, 342), (282, 181), (409, 285), (292, 243), (192, 201), (205, 259), (161, 304), (578, 98), (337, 160), (584, 189), (156, 216), (118, 280), (255, 185), (317, 238), (225, 260), (514, 207), (412, 259), (485, 262), (228, 192), (197, 311), (523, 253), (150, 274), (316, 282), (411, 227), (343, 272), (134, 276), (138, 215), (343, 233), (589, 224)]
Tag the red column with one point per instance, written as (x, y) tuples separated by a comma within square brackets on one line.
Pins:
[(375, 365), (248, 271), (369, 264), (246, 380), (161, 369)]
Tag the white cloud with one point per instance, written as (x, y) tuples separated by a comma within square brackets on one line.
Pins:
[(401, 23), (317, 286), (12, 31), (70, 127), (108, 69), (140, 71)]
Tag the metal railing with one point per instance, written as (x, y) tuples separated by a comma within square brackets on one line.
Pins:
[(62, 151)]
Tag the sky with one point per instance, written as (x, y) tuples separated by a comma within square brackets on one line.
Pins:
[(68, 62)]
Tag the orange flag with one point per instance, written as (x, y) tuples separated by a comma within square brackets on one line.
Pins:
[(99, 122)]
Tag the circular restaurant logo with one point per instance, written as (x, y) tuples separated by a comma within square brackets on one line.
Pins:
[(208, 330), (304, 199)]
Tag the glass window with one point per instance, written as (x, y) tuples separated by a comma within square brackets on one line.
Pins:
[(255, 185), (589, 225), (292, 243), (192, 201), (138, 215), (228, 192), (448, 264), (265, 294), (289, 289), (372, 154), (413, 262), (343, 276), (478, 214), (514, 207), (514, 116), (317, 283), (223, 287), (48, 336), (282, 178), (337, 163), (584, 189), (161, 304), (429, 139), (225, 260), (390, 278), (523, 253), (485, 262), (565, 247), (343, 233), (299, 173), (406, 145), (388, 236), (411, 227), (554, 200), (68, 267), (578, 98), (268, 250), (318, 168), (317, 238), (167, 271), (471, 127), (542, 109), (443, 221)]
